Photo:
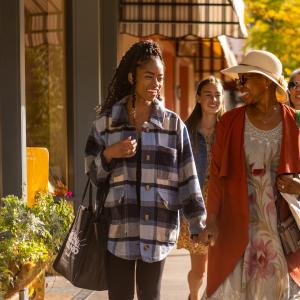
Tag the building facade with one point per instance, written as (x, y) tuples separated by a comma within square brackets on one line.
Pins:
[(58, 57), (54, 71)]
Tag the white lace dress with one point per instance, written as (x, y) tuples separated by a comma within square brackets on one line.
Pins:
[(262, 272)]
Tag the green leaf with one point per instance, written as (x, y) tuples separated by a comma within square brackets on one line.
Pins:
[(31, 235)]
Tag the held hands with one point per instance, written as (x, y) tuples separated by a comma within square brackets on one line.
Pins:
[(209, 235), (123, 149), (211, 230), (288, 184)]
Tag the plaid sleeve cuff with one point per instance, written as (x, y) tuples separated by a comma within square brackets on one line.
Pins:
[(107, 167), (103, 168), (196, 225)]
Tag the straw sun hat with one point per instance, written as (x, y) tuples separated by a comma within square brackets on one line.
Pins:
[(266, 64)]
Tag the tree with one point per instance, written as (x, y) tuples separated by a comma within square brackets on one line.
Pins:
[(274, 25)]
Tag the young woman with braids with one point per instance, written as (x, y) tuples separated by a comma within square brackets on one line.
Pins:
[(145, 150), (201, 127)]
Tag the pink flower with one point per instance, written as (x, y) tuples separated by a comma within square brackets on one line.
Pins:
[(261, 256), (69, 194), (271, 208)]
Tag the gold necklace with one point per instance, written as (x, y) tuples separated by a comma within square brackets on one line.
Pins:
[(267, 117)]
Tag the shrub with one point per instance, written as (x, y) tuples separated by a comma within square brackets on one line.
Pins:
[(30, 235)]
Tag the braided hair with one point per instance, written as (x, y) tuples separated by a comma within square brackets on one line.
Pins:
[(120, 87)]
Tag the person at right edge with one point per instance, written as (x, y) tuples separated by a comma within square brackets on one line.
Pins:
[(294, 89), (257, 146)]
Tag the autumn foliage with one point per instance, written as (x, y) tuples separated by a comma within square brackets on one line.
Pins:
[(274, 25)]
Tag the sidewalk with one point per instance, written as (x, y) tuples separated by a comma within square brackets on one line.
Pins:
[(174, 283)]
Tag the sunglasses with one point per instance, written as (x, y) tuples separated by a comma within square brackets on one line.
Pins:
[(241, 81), (293, 85)]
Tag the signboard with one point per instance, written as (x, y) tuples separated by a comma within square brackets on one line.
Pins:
[(37, 172)]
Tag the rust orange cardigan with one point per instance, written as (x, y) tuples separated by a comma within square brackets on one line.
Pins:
[(228, 194)]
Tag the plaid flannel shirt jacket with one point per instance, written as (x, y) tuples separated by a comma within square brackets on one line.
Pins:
[(169, 183)]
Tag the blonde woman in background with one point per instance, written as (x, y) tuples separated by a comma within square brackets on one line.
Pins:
[(201, 128)]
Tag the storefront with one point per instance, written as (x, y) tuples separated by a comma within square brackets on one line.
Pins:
[(54, 69), (58, 56), (193, 36)]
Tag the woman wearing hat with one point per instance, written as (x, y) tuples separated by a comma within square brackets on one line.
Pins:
[(255, 146)]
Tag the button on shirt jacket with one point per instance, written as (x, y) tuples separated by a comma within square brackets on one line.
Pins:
[(228, 192), (147, 230)]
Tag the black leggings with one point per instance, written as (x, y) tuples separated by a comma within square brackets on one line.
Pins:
[(121, 273)]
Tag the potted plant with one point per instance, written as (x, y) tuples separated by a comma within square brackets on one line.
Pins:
[(29, 238)]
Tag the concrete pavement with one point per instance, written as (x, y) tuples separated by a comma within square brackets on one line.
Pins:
[(174, 283)]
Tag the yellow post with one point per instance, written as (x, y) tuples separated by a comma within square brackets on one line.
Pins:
[(37, 172)]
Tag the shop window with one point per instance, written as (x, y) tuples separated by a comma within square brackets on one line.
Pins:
[(46, 104)]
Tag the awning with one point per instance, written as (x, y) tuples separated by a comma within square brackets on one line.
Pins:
[(228, 53), (181, 18), (44, 22), (208, 55)]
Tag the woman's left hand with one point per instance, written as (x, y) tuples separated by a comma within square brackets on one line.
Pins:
[(286, 184)]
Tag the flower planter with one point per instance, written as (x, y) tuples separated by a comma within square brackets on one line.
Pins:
[(30, 280), (35, 237)]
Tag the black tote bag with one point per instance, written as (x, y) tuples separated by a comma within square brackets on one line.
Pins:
[(82, 257)]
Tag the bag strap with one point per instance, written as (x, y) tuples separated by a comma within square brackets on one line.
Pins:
[(88, 185), (102, 192), (298, 117)]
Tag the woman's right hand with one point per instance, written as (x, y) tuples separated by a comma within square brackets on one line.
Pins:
[(123, 149), (211, 231), (288, 184)]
